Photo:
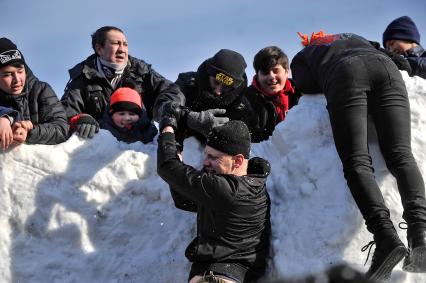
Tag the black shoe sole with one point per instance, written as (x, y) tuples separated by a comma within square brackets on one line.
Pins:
[(415, 261), (384, 271)]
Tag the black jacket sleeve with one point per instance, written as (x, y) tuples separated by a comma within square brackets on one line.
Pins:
[(4, 111), (51, 126), (212, 190), (168, 92), (418, 66), (73, 102), (181, 202), (74, 97)]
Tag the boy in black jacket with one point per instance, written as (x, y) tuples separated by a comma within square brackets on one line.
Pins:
[(230, 198), (270, 95), (42, 117)]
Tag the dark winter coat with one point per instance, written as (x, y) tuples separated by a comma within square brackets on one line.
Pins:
[(39, 104), (88, 91), (197, 96), (417, 59), (143, 130), (259, 112), (311, 67), (233, 223)]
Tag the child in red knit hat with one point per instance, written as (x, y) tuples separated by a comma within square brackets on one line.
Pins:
[(126, 118)]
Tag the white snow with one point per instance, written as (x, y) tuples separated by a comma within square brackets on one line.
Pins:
[(96, 210)]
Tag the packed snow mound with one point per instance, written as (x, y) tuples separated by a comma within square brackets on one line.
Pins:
[(96, 210)]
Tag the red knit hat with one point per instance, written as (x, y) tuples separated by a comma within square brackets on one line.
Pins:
[(125, 99)]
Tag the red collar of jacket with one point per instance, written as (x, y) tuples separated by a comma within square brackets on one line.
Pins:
[(279, 99)]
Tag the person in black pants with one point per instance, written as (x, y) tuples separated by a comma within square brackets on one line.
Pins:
[(358, 80)]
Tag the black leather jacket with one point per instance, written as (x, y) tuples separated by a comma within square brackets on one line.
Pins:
[(232, 211)]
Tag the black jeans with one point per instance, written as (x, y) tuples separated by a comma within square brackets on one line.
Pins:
[(371, 84)]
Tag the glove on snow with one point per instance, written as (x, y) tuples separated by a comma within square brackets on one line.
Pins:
[(204, 121), (85, 125)]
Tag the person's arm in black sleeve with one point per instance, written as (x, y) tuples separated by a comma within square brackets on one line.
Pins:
[(166, 92), (11, 114), (418, 66), (72, 99), (52, 126), (181, 202), (303, 76), (192, 184)]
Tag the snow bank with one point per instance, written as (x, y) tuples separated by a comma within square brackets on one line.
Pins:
[(96, 210)]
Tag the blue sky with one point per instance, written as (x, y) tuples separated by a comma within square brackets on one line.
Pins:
[(176, 36)]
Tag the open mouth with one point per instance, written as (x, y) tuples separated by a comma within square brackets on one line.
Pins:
[(120, 57)]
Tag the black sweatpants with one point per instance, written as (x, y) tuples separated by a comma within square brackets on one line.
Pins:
[(372, 84)]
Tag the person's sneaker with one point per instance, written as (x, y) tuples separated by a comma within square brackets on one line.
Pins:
[(388, 253), (415, 261)]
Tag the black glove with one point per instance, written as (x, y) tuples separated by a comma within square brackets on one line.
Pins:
[(204, 121), (168, 121), (258, 166), (86, 126), (175, 110), (173, 114), (401, 62)]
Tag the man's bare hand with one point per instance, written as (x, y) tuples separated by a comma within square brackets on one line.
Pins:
[(19, 135), (27, 125)]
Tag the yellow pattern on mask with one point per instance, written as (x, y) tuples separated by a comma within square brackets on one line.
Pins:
[(224, 79)]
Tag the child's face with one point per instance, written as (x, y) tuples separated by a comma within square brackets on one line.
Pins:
[(12, 79), (273, 80), (123, 119), (398, 46)]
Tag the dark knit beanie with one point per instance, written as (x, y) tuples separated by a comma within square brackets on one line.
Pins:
[(232, 138), (402, 28), (227, 66), (125, 99), (9, 53)]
